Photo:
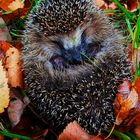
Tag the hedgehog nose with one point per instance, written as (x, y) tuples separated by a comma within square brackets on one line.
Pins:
[(75, 58)]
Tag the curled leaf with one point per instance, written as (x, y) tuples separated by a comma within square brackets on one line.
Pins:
[(126, 100)]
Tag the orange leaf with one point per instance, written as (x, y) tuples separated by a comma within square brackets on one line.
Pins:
[(8, 5), (13, 66), (4, 4), (125, 100), (4, 46), (4, 90), (16, 4)]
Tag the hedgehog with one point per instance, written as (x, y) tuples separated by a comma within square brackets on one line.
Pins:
[(73, 62)]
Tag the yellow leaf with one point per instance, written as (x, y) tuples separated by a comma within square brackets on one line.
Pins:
[(15, 5), (4, 90)]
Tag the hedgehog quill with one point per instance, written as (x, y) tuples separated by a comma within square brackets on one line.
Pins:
[(60, 81)]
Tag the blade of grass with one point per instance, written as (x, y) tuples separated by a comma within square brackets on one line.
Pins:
[(127, 13), (117, 23), (135, 44), (11, 135), (14, 34), (132, 136), (108, 11), (129, 27), (121, 135), (91, 61), (8, 12), (2, 25), (136, 34)]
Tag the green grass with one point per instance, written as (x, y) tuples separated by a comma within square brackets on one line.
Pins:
[(132, 22), (4, 132)]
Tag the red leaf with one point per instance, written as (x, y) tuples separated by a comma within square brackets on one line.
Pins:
[(126, 100)]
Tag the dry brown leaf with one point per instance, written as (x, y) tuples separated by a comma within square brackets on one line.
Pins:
[(4, 90)]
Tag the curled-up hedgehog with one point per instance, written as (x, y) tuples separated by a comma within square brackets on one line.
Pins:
[(73, 62)]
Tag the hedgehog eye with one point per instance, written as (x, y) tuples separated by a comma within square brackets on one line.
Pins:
[(57, 61), (93, 49)]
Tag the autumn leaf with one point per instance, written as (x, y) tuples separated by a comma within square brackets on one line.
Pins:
[(132, 5), (125, 100), (8, 5), (74, 132), (13, 64), (4, 46), (15, 5), (4, 90)]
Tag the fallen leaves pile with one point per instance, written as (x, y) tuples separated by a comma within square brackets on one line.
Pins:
[(126, 103)]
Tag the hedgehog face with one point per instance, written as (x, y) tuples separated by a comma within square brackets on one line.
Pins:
[(67, 32), (69, 50)]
